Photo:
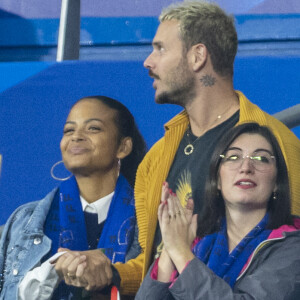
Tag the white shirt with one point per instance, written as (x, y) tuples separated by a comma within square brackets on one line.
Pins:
[(99, 207), (40, 282)]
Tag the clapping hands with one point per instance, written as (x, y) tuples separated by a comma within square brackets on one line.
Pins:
[(178, 227)]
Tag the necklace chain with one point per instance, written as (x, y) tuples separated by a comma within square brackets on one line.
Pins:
[(189, 148)]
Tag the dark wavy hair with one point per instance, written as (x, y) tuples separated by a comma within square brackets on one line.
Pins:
[(214, 211), (127, 127)]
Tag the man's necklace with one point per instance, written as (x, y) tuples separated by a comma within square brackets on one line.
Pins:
[(189, 148)]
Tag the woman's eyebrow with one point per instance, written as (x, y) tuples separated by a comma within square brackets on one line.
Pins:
[(262, 149), (234, 148), (255, 151), (86, 121), (93, 119), (70, 122)]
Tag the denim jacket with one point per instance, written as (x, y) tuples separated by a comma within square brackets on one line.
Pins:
[(23, 244)]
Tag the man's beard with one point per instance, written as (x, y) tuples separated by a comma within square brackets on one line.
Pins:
[(178, 95), (181, 84)]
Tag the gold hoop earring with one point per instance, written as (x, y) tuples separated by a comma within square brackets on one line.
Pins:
[(57, 178)]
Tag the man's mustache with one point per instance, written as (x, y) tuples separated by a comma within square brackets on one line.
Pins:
[(151, 74)]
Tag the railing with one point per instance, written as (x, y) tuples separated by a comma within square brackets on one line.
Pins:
[(69, 31), (290, 116)]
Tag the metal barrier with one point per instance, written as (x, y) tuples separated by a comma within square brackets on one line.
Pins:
[(290, 116), (69, 31)]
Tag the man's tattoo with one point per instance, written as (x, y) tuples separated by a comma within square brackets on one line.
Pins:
[(208, 80)]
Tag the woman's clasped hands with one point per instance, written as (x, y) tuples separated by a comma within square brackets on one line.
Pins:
[(178, 227)]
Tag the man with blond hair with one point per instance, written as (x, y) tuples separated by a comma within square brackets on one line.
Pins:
[(192, 66)]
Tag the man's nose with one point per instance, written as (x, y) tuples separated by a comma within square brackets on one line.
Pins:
[(148, 63)]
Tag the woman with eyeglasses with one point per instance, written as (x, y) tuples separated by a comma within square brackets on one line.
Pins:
[(246, 244)]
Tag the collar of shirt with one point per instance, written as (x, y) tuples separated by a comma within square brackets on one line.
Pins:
[(100, 206)]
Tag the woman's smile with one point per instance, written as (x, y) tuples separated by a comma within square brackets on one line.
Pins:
[(77, 150)]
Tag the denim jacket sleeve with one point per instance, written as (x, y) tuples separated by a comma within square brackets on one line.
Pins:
[(23, 245)]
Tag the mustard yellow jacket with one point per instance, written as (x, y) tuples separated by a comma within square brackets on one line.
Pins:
[(155, 167)]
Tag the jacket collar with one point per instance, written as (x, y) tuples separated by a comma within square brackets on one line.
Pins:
[(179, 119), (282, 230), (36, 222), (247, 109)]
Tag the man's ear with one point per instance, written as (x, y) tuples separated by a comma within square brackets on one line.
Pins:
[(199, 56), (125, 147)]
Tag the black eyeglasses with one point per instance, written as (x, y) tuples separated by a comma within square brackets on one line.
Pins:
[(261, 160)]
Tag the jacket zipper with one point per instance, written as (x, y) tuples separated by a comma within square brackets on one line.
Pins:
[(257, 249)]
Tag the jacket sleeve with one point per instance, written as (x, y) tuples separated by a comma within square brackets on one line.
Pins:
[(8, 281), (23, 244), (40, 282), (195, 282), (153, 289)]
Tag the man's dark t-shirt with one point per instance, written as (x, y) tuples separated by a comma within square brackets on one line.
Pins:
[(188, 173)]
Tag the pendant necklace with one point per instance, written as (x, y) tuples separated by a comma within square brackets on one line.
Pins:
[(189, 148)]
